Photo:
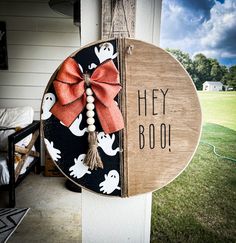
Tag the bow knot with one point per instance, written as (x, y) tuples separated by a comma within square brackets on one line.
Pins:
[(87, 79), (70, 85)]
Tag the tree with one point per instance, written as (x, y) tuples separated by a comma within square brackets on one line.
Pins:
[(217, 71), (230, 77), (225, 72), (203, 69), (208, 69), (183, 58)]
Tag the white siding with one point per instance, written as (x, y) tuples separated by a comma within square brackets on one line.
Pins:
[(38, 40)]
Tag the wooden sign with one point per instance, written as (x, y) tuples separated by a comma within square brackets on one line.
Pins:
[(160, 109)]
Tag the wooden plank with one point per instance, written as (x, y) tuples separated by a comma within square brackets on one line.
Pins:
[(24, 79), (39, 52), (26, 155), (33, 66), (43, 38), (118, 18), (40, 24), (23, 150), (162, 130), (28, 9), (21, 92)]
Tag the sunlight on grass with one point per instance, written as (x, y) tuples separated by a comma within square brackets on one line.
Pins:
[(199, 206), (219, 108)]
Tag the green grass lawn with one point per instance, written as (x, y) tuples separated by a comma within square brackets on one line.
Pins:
[(200, 205), (219, 108)]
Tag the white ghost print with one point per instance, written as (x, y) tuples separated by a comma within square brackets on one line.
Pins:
[(48, 101), (105, 52), (105, 142), (75, 127), (55, 153), (79, 169), (110, 183)]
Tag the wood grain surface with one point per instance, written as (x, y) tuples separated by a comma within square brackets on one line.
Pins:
[(162, 115), (118, 18)]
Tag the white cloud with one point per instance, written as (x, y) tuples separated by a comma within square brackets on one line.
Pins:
[(190, 31), (220, 25), (175, 18)]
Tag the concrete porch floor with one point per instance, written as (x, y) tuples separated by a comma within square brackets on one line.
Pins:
[(55, 212)]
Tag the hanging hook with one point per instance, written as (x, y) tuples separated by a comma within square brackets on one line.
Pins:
[(129, 49)]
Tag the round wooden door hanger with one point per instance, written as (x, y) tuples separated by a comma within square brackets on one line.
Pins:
[(121, 117)]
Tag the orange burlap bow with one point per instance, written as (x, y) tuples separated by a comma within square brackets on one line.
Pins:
[(70, 89)]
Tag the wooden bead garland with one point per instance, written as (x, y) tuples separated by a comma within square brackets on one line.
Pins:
[(92, 159), (90, 107)]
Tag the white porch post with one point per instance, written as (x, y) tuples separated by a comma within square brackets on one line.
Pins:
[(117, 220), (111, 219)]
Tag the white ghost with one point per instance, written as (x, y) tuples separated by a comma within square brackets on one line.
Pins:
[(79, 169), (105, 142), (105, 52), (75, 127), (55, 153), (49, 100), (110, 183)]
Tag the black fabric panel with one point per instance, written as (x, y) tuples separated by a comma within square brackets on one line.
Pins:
[(72, 146)]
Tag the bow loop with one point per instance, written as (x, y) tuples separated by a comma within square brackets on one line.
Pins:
[(70, 72), (104, 93), (68, 93)]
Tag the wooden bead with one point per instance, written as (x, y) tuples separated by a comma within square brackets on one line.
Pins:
[(90, 114), (91, 128), (90, 99), (90, 106), (89, 91), (90, 121)]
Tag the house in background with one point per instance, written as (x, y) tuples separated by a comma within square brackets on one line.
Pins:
[(212, 86)]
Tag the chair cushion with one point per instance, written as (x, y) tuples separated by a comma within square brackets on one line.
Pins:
[(4, 173), (14, 117)]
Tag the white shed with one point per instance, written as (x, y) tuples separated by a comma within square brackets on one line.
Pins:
[(212, 86)]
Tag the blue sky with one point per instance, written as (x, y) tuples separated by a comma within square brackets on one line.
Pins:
[(206, 26)]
